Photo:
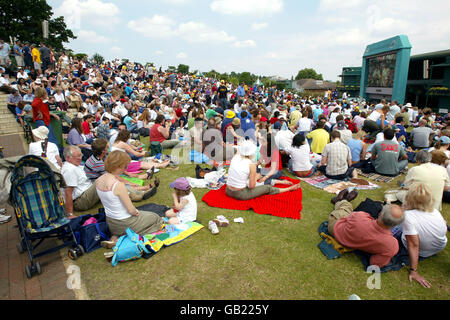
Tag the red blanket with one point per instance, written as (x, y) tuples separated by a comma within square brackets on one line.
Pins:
[(285, 205)]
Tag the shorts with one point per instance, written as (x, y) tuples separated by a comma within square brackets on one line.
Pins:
[(134, 166)]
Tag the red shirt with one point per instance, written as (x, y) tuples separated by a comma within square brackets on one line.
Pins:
[(39, 105), (86, 129), (155, 135), (360, 231)]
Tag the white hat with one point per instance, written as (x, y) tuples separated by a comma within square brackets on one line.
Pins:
[(247, 148), (38, 81), (41, 132), (408, 105), (184, 110)]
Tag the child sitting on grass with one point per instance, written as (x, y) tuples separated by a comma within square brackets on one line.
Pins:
[(185, 204)]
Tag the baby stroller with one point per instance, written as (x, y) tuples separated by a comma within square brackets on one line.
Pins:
[(39, 210)]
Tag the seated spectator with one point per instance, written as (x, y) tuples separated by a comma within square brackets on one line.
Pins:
[(104, 130), (41, 147), (346, 134), (299, 152), (184, 203), (358, 149), (304, 124), (243, 177), (80, 193), (359, 120), (160, 132), (424, 229), (401, 134), (320, 137), (131, 122), (77, 138), (95, 168), (388, 157), (337, 160), (358, 230), (119, 210), (13, 101), (420, 137)]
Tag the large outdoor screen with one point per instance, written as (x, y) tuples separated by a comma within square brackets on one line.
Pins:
[(381, 71)]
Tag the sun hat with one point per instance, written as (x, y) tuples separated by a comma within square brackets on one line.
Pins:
[(231, 114), (247, 148), (444, 140), (184, 111), (210, 113), (180, 184), (41, 132), (236, 122), (263, 119)]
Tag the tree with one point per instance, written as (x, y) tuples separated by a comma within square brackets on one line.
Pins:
[(308, 73), (245, 77), (23, 19), (182, 68), (97, 58), (171, 69), (80, 56)]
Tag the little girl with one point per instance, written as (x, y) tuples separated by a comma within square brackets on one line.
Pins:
[(185, 204)]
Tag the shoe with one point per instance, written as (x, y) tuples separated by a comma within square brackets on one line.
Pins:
[(341, 196), (2, 211), (150, 173), (150, 193), (157, 182), (213, 227), (239, 220), (221, 221), (108, 245), (109, 256), (352, 195), (4, 219)]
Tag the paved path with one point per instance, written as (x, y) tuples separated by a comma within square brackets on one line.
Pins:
[(14, 284)]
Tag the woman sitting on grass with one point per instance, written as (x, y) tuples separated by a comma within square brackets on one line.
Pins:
[(120, 211), (299, 164), (135, 166), (242, 176), (424, 229)]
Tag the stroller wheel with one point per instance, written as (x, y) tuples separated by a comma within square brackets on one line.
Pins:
[(80, 250), (28, 271), (20, 247), (38, 268), (72, 254)]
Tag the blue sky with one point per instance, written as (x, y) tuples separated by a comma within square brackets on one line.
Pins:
[(265, 37)]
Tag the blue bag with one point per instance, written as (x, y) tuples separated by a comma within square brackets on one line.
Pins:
[(129, 247), (91, 236)]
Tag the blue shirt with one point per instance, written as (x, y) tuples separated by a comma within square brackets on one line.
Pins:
[(317, 113), (241, 91), (128, 122)]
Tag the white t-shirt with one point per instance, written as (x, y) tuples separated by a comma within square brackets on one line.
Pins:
[(59, 97), (431, 229), (239, 172), (52, 151), (189, 212), (283, 139), (75, 177), (304, 125), (333, 117), (374, 116), (300, 157)]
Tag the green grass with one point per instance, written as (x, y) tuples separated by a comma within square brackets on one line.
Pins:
[(265, 258)]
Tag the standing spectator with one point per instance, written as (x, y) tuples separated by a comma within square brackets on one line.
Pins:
[(45, 57), (28, 59), (4, 52), (37, 62), (41, 113), (18, 54)]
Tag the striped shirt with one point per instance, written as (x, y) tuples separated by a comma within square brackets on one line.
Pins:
[(94, 167)]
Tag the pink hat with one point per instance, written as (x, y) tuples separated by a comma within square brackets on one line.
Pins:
[(180, 184)]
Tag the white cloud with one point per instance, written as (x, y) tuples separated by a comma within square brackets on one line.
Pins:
[(332, 5), (196, 32), (154, 27), (92, 37), (259, 26), (159, 52), (244, 44), (80, 12), (247, 7), (181, 56)]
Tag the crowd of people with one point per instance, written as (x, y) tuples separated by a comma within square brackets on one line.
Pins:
[(257, 130)]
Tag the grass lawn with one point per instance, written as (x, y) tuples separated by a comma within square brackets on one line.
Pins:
[(265, 258)]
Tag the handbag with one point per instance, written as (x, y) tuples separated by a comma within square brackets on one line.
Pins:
[(91, 235), (129, 247)]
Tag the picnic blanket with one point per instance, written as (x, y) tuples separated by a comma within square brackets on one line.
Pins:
[(285, 205), (378, 177), (336, 186), (133, 180), (171, 234)]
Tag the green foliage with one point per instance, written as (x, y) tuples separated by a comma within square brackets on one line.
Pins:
[(97, 58), (23, 19), (308, 73), (80, 56), (171, 69), (182, 68)]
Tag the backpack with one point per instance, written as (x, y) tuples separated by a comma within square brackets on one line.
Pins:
[(129, 247)]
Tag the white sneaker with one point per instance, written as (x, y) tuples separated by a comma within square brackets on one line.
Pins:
[(213, 227), (2, 211), (4, 219), (239, 220)]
